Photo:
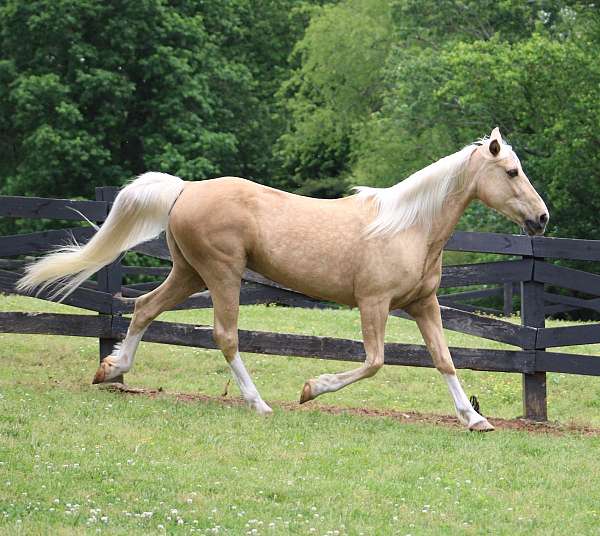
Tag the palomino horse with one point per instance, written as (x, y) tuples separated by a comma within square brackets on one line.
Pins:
[(379, 250)]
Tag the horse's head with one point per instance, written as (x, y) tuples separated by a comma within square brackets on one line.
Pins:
[(502, 185)]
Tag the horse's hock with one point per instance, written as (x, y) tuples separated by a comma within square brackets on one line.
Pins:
[(533, 277)]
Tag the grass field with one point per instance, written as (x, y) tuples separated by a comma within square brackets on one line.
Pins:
[(78, 460)]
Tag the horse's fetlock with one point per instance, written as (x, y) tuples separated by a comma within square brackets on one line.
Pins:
[(372, 368)]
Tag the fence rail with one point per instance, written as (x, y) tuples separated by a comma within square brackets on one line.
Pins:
[(533, 278)]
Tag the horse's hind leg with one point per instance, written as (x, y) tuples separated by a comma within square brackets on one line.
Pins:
[(181, 282), (225, 295)]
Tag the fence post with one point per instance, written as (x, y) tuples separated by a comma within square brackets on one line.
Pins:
[(508, 299), (110, 277), (534, 385)]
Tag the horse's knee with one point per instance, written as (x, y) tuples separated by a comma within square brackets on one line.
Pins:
[(226, 340), (442, 360), (445, 367)]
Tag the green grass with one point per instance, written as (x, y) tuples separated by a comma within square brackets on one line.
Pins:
[(74, 459)]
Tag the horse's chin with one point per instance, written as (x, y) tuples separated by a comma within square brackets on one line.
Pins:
[(532, 233), (532, 230)]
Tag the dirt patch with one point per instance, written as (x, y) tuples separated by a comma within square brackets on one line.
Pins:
[(449, 421)]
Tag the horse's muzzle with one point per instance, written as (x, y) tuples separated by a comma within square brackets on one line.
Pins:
[(538, 226)]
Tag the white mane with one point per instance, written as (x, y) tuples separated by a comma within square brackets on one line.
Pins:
[(419, 198)]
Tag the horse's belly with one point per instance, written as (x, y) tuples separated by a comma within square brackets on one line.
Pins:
[(325, 275), (309, 245)]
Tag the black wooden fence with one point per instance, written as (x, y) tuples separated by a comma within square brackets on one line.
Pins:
[(529, 272)]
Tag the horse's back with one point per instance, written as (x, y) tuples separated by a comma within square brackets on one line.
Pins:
[(304, 243)]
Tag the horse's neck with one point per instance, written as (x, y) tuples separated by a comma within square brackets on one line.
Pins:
[(444, 223), (453, 208)]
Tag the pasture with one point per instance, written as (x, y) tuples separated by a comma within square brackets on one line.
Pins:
[(75, 459)]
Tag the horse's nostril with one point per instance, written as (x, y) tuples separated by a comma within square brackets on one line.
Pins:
[(544, 219)]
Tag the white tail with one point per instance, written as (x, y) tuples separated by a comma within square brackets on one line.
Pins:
[(140, 212)]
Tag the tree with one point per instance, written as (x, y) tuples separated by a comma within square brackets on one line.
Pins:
[(97, 92), (337, 84), (448, 73), (93, 93), (542, 91)]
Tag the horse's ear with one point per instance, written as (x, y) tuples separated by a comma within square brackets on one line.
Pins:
[(496, 140)]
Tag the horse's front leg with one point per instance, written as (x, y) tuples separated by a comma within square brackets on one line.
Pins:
[(427, 315), (373, 316)]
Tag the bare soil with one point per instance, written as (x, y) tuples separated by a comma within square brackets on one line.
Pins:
[(450, 421)]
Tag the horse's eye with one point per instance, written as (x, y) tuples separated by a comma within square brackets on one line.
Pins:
[(512, 172)]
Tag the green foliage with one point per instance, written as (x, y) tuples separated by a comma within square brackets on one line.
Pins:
[(310, 96), (428, 23), (445, 73), (337, 84), (102, 91), (92, 93)]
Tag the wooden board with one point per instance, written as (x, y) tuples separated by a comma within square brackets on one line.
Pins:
[(568, 336), (566, 248), (40, 242), (486, 273), (251, 294), (472, 294), (471, 308), (56, 324), (504, 244), (154, 248), (551, 310), (571, 302), (146, 270), (286, 344), (84, 298), (145, 287), (12, 264), (568, 363), (485, 327), (55, 209), (535, 405), (560, 276)]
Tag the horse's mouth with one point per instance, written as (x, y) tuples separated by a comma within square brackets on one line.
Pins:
[(532, 228)]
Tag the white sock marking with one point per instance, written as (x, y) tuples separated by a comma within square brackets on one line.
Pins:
[(123, 354), (246, 385), (464, 409)]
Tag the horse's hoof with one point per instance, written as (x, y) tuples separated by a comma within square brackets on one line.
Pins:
[(264, 410), (101, 374), (481, 426), (105, 372), (306, 393)]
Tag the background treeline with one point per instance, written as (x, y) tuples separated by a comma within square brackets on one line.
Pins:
[(309, 96)]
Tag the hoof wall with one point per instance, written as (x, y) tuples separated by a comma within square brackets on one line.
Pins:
[(306, 393), (264, 411), (481, 426), (101, 374), (106, 373)]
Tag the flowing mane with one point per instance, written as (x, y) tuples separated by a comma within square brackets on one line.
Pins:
[(419, 198)]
